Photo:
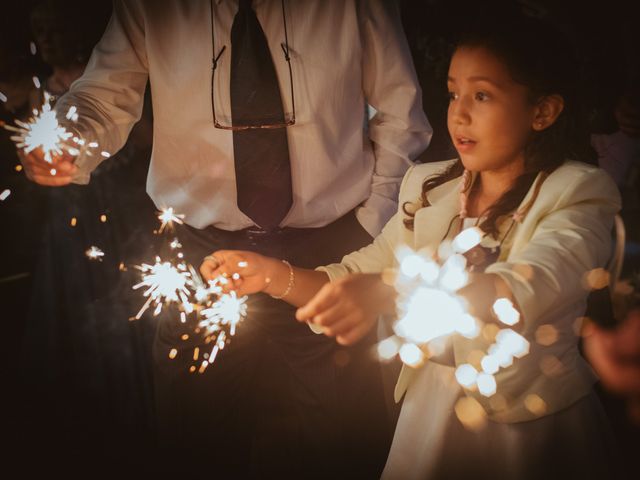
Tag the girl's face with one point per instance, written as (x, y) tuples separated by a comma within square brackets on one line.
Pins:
[(490, 116)]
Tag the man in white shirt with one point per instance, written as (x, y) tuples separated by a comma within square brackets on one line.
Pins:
[(344, 179)]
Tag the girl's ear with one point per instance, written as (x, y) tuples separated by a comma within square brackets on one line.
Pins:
[(547, 111)]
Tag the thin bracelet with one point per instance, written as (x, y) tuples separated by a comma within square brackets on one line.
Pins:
[(292, 280)]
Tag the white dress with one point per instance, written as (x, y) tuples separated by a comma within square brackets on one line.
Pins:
[(431, 443)]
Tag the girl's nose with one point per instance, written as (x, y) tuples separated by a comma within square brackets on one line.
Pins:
[(459, 112)]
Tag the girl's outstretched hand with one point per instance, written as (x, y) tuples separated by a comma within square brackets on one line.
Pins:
[(349, 307), (246, 272)]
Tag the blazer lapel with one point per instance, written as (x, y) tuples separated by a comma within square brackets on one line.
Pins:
[(431, 223), (430, 226)]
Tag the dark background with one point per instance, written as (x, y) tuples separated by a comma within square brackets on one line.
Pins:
[(76, 382)]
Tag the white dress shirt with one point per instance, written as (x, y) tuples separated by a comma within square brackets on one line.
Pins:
[(345, 54)]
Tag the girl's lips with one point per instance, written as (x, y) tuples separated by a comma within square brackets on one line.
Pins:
[(464, 145)]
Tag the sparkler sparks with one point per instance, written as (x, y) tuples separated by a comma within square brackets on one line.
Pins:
[(429, 310), (227, 311), (43, 131), (94, 253), (165, 283), (168, 217)]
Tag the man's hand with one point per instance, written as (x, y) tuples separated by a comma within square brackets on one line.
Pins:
[(349, 307), (615, 356), (58, 173)]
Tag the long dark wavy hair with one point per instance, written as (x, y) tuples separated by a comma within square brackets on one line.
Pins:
[(539, 57)]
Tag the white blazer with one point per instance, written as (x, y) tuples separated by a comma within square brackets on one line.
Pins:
[(565, 234)]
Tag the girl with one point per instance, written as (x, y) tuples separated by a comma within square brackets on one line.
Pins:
[(512, 120)]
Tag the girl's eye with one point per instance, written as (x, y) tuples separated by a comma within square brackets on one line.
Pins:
[(482, 96), (452, 96)]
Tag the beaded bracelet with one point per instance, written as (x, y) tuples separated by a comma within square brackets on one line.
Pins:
[(292, 280)]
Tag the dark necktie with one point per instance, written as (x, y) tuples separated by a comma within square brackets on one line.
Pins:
[(263, 171)]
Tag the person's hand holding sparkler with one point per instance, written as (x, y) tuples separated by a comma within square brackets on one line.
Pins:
[(246, 272), (349, 307), (47, 148), (59, 172), (346, 309)]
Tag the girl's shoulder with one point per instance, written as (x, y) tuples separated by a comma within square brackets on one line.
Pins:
[(578, 179), (572, 183)]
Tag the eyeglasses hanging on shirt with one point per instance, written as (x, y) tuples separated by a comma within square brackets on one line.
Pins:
[(236, 124)]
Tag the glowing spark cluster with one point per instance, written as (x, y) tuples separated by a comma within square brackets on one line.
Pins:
[(165, 283), (218, 313), (94, 253), (429, 310), (508, 345), (228, 310), (168, 217), (428, 306), (43, 131)]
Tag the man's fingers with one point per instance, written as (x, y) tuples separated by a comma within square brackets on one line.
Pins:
[(51, 180), (58, 173), (619, 376)]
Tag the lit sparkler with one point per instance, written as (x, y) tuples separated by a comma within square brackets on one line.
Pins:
[(168, 217), (219, 313), (43, 131), (94, 253), (429, 310), (165, 283), (226, 312)]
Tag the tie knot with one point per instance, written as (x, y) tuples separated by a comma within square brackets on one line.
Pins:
[(245, 4)]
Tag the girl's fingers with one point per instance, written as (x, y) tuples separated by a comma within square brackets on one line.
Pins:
[(322, 301), (329, 317), (208, 266), (342, 325), (354, 334)]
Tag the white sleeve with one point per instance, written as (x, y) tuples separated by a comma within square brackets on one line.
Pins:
[(399, 131), (110, 94), (380, 254), (571, 240)]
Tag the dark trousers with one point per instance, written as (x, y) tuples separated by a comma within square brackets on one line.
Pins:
[(279, 399)]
